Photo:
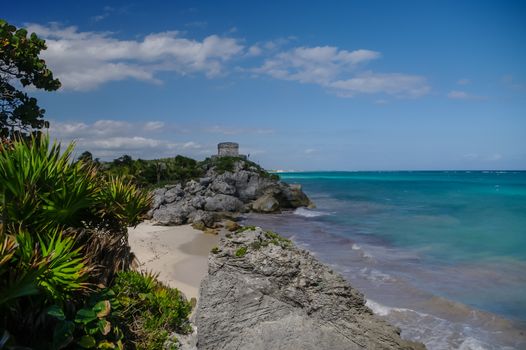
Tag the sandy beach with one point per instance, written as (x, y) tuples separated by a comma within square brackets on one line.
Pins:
[(178, 253)]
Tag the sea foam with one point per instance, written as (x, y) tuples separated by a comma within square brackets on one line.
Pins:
[(308, 213)]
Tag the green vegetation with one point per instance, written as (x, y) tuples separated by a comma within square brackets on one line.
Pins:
[(223, 164), (246, 228), (151, 309), (241, 252), (21, 66), (276, 239), (157, 172), (64, 256), (215, 250)]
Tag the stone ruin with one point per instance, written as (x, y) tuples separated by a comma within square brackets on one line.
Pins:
[(229, 149)]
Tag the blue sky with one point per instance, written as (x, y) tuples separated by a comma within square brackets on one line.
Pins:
[(348, 85)]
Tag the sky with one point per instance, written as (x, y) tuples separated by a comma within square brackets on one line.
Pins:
[(300, 85)]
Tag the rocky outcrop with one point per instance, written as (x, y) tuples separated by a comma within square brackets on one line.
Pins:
[(266, 204), (261, 292), (246, 187)]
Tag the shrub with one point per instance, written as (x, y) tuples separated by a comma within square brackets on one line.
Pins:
[(241, 252), (60, 221), (93, 326), (151, 309)]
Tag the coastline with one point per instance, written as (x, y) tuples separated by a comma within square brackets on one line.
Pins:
[(438, 322), (179, 254)]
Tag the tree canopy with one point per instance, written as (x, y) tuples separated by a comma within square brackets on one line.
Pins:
[(21, 66)]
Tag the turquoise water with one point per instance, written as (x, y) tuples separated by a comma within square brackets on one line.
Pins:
[(450, 244)]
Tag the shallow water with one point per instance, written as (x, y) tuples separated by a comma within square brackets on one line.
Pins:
[(440, 254)]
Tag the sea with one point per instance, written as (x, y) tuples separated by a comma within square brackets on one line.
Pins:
[(440, 254)]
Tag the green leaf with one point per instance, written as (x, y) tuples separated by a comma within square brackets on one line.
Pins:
[(85, 316), (104, 327), (63, 334), (102, 308), (87, 342), (56, 312), (106, 345)]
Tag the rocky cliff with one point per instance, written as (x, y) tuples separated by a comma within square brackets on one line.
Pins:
[(242, 187), (261, 292)]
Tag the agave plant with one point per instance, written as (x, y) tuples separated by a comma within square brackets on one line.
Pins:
[(124, 201), (40, 186), (37, 270), (60, 220)]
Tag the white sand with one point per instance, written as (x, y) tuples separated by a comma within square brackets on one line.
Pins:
[(178, 253)]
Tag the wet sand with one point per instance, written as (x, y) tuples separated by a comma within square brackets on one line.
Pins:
[(178, 253)]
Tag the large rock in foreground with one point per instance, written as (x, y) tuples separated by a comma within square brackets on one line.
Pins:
[(263, 293)]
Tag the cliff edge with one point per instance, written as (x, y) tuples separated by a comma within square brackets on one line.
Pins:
[(261, 292)]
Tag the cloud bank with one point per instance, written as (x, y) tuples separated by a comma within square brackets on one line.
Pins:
[(341, 71), (87, 60), (111, 138)]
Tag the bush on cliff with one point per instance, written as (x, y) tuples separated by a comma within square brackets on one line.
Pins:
[(152, 309), (179, 169)]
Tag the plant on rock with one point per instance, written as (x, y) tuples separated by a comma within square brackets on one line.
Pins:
[(153, 309)]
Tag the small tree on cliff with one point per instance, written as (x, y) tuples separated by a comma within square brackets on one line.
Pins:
[(20, 64)]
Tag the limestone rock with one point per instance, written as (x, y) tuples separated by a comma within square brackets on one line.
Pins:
[(263, 293), (244, 188), (231, 225), (223, 202), (266, 204)]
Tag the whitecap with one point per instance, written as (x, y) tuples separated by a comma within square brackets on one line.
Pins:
[(473, 344), (383, 310), (376, 276), (356, 247), (308, 213)]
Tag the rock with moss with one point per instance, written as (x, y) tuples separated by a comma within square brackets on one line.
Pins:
[(261, 292), (228, 185)]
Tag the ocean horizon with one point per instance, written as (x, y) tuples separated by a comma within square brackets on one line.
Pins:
[(441, 254)]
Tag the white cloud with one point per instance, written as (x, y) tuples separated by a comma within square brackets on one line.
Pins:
[(455, 94), (310, 151), (340, 71), (494, 157), (491, 157), (463, 81), (119, 143), (85, 60), (401, 85), (254, 50), (111, 138), (319, 65), (217, 129), (463, 95), (155, 125)]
